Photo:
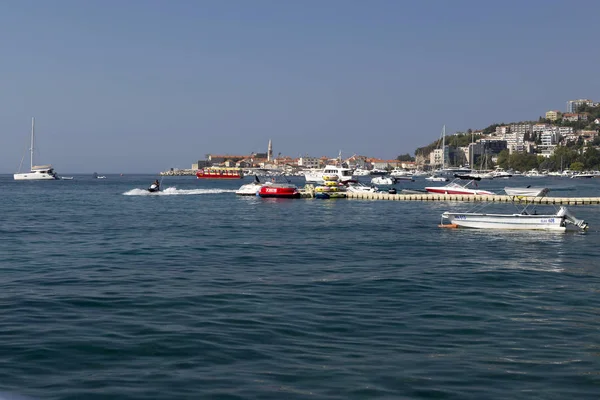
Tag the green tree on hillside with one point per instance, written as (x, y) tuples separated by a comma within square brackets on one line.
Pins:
[(405, 157), (504, 159), (577, 166)]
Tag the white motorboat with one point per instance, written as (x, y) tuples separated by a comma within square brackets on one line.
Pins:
[(534, 173), (434, 178), (377, 171), (361, 172), (400, 173), (560, 221), (250, 189), (383, 180), (316, 176), (581, 175), (501, 173), (357, 187), (526, 191), (456, 188), (475, 175), (36, 172)]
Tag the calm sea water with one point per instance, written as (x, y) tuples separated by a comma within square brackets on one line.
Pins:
[(107, 292)]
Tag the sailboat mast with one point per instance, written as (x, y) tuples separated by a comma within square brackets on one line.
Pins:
[(32, 143), (444, 147)]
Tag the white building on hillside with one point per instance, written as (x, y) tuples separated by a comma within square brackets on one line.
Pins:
[(435, 158), (565, 130), (539, 128), (549, 139), (521, 129)]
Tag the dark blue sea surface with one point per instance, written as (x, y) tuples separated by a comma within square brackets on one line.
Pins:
[(108, 292)]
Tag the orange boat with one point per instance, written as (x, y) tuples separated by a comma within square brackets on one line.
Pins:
[(219, 173)]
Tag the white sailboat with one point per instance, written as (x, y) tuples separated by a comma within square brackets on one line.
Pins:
[(37, 172), (435, 177)]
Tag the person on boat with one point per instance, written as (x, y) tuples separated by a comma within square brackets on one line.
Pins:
[(155, 186)]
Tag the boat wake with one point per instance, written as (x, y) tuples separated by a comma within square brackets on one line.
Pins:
[(173, 191)]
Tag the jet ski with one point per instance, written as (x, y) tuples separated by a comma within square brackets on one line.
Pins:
[(154, 188)]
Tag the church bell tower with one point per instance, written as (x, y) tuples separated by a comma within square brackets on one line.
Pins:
[(270, 151)]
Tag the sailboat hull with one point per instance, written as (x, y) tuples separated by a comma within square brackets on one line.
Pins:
[(35, 176)]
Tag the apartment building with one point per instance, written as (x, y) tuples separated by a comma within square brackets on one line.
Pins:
[(574, 117), (573, 105), (435, 157), (549, 139), (308, 162), (539, 128), (553, 115), (521, 129), (565, 130), (502, 130)]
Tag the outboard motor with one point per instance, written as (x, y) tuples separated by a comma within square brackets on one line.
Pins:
[(570, 218)]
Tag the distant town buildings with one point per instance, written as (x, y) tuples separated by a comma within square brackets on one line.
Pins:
[(525, 137), (574, 105)]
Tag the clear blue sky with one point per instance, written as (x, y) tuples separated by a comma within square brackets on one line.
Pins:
[(143, 85)]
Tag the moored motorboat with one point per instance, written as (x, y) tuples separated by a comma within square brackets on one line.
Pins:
[(401, 173), (526, 191), (279, 190), (456, 188), (384, 180), (475, 175), (361, 172), (435, 178), (317, 176), (377, 171), (581, 175), (357, 187)]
